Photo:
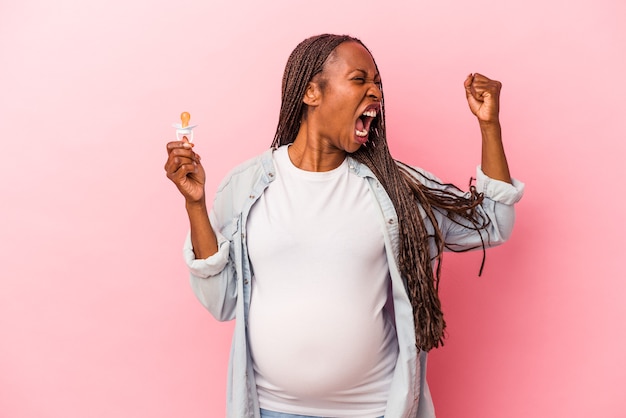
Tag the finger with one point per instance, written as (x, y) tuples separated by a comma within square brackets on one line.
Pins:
[(479, 91), (183, 152), (177, 155), (177, 150), (187, 142), (468, 84), (180, 157), (474, 91), (481, 78), (484, 89), (173, 169), (487, 89), (179, 173), (477, 87), (178, 144), (485, 82)]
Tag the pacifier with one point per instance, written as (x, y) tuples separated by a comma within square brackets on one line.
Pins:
[(183, 128)]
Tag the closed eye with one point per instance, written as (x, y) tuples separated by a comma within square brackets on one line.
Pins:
[(363, 80)]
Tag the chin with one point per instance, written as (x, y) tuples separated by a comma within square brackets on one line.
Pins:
[(353, 147)]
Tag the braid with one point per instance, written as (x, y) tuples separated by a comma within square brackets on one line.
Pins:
[(415, 204)]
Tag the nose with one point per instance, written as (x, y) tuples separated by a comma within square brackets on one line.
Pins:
[(375, 91)]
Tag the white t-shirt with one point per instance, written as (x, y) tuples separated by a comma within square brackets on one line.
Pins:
[(322, 342)]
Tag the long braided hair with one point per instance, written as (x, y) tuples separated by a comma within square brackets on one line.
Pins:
[(399, 181)]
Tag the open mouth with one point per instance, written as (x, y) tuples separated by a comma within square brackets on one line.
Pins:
[(364, 122)]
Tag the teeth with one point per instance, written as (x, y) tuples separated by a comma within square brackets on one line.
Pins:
[(370, 114)]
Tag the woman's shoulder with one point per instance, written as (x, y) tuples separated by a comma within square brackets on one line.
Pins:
[(240, 184), (248, 172)]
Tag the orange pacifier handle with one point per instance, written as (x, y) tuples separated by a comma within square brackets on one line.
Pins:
[(184, 118)]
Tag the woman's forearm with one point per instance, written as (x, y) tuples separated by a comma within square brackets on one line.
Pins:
[(493, 163), (203, 237)]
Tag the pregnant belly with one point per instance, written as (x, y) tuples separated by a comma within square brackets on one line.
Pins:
[(313, 350)]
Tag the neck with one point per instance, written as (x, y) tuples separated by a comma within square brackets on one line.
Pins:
[(311, 153)]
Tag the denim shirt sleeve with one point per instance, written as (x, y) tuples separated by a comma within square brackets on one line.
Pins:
[(498, 190), (497, 207), (213, 278), (210, 266)]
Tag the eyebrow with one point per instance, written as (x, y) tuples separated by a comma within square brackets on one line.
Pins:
[(365, 72)]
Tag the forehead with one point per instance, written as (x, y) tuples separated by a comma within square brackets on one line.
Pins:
[(351, 56)]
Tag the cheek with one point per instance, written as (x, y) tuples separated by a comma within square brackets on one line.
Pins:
[(344, 107)]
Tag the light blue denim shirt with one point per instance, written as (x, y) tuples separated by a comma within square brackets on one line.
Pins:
[(222, 282)]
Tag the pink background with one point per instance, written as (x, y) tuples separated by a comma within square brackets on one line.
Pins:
[(96, 315)]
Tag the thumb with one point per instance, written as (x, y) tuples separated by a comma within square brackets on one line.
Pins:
[(468, 85), (186, 142), (470, 94)]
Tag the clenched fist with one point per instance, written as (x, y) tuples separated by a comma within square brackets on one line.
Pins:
[(183, 167), (483, 97)]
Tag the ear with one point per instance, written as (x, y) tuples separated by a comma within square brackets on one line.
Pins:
[(312, 94)]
